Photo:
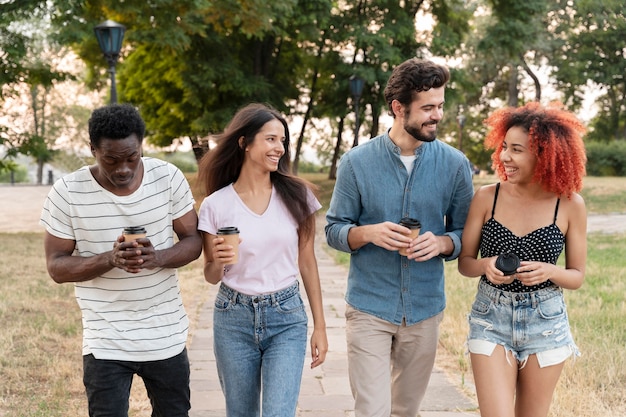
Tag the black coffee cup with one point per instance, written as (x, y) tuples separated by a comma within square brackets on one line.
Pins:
[(507, 263)]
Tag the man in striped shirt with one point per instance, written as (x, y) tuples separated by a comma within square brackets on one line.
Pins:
[(133, 317)]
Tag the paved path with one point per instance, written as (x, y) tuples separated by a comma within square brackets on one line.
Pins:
[(325, 390)]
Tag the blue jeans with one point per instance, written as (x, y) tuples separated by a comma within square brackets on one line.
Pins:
[(108, 383), (260, 344)]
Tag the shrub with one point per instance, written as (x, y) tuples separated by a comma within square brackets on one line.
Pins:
[(20, 174), (606, 158)]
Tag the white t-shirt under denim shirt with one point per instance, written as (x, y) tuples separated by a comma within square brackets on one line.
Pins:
[(268, 252), (131, 317)]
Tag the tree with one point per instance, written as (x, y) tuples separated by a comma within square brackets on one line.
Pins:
[(369, 38), (591, 51), (189, 65), (13, 50), (31, 64)]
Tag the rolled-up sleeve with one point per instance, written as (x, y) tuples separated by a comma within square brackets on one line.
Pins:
[(344, 207), (459, 208)]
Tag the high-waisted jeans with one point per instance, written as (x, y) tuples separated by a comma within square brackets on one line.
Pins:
[(260, 344)]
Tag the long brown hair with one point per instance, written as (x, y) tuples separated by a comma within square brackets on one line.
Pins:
[(221, 166)]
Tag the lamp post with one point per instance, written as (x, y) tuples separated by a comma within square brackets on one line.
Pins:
[(460, 119), (356, 88), (110, 35)]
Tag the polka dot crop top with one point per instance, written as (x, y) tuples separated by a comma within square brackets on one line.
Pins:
[(544, 245)]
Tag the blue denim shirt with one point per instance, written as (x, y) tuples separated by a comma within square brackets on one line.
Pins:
[(374, 186)]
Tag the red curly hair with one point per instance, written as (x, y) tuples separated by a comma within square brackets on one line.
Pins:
[(555, 137)]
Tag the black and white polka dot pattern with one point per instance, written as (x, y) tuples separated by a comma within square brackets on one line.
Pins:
[(544, 245)]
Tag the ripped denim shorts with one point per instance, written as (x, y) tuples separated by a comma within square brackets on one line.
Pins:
[(523, 323)]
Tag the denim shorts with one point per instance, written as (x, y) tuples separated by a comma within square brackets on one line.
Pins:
[(260, 346), (525, 324)]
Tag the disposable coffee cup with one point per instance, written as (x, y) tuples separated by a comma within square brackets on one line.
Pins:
[(132, 233), (231, 237), (415, 227)]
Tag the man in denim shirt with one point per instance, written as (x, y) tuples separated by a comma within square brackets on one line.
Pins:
[(396, 303)]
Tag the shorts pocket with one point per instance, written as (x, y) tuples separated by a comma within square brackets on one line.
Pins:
[(552, 308), (481, 306)]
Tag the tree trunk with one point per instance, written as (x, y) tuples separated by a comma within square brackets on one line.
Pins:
[(199, 147), (333, 165), (375, 119), (40, 163), (534, 77), (513, 87), (309, 109)]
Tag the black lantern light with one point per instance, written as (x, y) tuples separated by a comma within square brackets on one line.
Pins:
[(356, 89), (110, 35)]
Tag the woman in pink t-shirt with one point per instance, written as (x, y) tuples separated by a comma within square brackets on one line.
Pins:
[(260, 322)]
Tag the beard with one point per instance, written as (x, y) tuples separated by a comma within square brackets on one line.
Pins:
[(418, 135)]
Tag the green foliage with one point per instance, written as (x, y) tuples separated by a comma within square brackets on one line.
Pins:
[(185, 161), (20, 173), (307, 167), (591, 54), (606, 159)]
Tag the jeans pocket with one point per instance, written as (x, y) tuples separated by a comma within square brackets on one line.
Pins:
[(222, 301), (290, 305)]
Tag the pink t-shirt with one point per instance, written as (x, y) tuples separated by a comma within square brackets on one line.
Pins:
[(268, 252)]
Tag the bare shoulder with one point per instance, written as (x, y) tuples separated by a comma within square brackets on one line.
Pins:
[(574, 209), (485, 194), (574, 202)]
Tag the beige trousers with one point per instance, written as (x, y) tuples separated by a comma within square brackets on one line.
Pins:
[(389, 365)]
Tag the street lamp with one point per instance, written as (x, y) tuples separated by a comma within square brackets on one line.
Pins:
[(356, 88), (110, 35), (460, 119)]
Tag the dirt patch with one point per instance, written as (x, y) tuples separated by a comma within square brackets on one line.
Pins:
[(20, 207)]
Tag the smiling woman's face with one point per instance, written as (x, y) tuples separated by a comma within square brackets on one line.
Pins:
[(267, 147), (517, 157)]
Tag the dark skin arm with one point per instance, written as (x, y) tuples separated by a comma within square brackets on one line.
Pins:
[(129, 256)]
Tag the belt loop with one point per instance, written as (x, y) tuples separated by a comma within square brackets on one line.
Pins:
[(533, 298)]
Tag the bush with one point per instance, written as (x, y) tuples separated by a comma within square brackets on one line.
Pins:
[(20, 174), (606, 158), (185, 161)]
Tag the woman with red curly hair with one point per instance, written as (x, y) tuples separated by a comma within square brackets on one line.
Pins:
[(519, 334)]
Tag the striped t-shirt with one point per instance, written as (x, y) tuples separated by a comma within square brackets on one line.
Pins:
[(132, 317)]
